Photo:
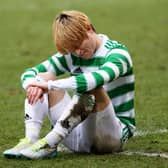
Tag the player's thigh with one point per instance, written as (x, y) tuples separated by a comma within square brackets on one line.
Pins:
[(101, 98), (108, 133), (101, 132), (54, 96), (81, 138)]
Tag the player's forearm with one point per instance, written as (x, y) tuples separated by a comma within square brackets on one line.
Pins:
[(89, 81), (54, 65), (82, 83), (67, 84), (30, 75)]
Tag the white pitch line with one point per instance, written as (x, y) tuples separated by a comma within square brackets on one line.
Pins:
[(148, 154), (143, 133), (139, 133)]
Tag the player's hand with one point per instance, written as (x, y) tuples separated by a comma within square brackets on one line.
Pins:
[(34, 94), (42, 85)]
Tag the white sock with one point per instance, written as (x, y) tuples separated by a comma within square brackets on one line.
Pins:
[(59, 131), (34, 116), (56, 111), (32, 131)]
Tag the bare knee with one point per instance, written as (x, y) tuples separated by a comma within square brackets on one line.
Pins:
[(54, 96), (102, 99)]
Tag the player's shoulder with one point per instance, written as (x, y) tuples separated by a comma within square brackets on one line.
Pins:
[(110, 43)]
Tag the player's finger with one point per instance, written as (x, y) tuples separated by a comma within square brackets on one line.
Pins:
[(29, 93), (38, 95), (32, 95)]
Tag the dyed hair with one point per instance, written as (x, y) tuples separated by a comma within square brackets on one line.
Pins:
[(69, 30)]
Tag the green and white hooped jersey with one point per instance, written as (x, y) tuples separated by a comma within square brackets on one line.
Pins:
[(111, 66)]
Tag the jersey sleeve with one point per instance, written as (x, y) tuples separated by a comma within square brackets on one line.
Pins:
[(117, 63), (57, 64)]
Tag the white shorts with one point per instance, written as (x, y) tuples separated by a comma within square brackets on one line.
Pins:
[(101, 132)]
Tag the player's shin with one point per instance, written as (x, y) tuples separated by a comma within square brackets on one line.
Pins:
[(78, 109), (34, 116)]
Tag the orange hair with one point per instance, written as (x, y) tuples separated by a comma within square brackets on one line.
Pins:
[(69, 30)]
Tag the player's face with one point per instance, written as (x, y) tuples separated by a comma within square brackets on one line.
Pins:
[(88, 47)]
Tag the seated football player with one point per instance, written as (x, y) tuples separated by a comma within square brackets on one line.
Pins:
[(99, 117)]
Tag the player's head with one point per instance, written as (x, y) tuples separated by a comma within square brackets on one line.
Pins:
[(70, 29)]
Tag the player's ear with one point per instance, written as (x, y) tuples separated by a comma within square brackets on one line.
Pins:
[(90, 28)]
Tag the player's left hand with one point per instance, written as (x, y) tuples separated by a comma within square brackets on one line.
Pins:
[(34, 94), (35, 91), (42, 85)]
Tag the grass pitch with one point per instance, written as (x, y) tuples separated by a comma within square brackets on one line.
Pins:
[(25, 40)]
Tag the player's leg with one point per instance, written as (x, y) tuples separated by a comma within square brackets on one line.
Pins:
[(34, 116), (58, 101), (101, 132), (75, 112), (108, 127), (57, 104)]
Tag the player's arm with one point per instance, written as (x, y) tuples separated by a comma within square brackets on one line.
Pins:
[(56, 65), (117, 64)]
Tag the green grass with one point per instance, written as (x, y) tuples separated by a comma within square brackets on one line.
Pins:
[(25, 40)]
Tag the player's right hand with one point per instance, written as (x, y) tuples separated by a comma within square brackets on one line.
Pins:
[(34, 94)]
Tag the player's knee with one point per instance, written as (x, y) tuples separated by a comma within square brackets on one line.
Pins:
[(102, 100), (84, 106), (55, 96)]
